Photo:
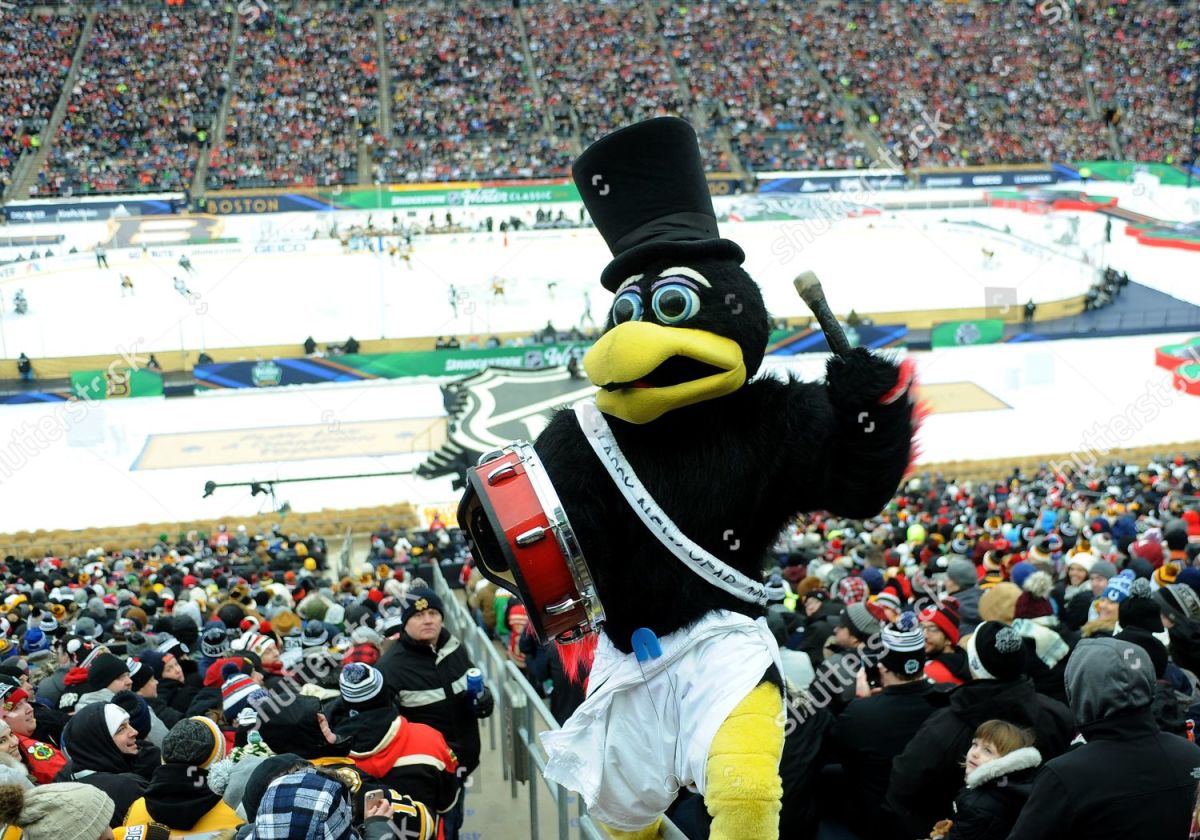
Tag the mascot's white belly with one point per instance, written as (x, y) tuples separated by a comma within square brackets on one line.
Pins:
[(646, 728)]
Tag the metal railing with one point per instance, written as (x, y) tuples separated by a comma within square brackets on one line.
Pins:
[(521, 715)]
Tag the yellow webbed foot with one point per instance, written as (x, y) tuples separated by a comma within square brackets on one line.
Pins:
[(744, 793)]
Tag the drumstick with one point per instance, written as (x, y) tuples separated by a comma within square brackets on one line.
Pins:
[(809, 288)]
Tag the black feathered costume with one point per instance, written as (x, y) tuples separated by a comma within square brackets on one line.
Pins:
[(727, 459)]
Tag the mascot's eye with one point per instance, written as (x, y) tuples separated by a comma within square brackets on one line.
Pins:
[(628, 307), (675, 302)]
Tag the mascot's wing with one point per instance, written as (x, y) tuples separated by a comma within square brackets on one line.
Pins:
[(851, 440)]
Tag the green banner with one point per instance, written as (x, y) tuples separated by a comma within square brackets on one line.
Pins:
[(966, 333), (468, 195), (116, 384), (1120, 170), (458, 362)]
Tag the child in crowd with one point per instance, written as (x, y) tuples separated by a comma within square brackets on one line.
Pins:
[(999, 775)]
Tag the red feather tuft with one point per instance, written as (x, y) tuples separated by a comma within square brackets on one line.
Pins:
[(577, 657)]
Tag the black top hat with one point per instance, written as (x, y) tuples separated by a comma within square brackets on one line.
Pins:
[(645, 189)]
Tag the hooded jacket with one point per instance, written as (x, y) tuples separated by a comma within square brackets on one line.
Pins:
[(178, 797), (411, 757), (1128, 779), (926, 776), (995, 793), (95, 760)]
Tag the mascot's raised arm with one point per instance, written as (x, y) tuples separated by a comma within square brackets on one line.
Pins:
[(643, 518)]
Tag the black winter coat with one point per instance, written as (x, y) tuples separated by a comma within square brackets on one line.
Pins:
[(926, 776), (430, 687), (989, 805), (869, 734), (1128, 780)]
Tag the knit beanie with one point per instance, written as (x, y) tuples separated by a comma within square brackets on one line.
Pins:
[(153, 660), (1118, 587), (860, 621), (238, 691), (1034, 602), (999, 602), (56, 811), (995, 652), (419, 600), (873, 578), (962, 571), (35, 641), (1021, 571), (362, 686), (1179, 601), (138, 710), (904, 646), (139, 673), (214, 642), (945, 616), (104, 669), (1140, 609), (852, 590), (195, 742), (1104, 569), (315, 634)]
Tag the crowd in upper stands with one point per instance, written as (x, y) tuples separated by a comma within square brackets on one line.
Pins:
[(483, 91), (307, 91), (145, 98), (35, 55)]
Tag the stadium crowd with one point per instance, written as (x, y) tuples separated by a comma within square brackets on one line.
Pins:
[(1042, 626), (145, 98), (307, 91), (35, 56), (478, 90)]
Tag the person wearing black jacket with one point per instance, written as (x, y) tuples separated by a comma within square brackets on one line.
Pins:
[(171, 697), (426, 670), (996, 790), (1128, 779), (926, 776), (873, 730), (102, 747)]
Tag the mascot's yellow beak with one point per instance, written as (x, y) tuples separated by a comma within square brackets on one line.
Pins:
[(645, 370)]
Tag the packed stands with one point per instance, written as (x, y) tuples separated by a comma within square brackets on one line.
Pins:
[(308, 86), (479, 90), (35, 56), (746, 69), (604, 60), (136, 125), (462, 102), (1148, 73)]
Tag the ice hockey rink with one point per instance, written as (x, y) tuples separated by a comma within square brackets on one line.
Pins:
[(124, 462)]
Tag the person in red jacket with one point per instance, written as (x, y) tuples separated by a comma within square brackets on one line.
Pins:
[(410, 757), (43, 760)]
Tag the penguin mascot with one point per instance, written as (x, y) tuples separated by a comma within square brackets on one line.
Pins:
[(662, 498)]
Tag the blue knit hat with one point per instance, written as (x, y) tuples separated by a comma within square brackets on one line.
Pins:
[(1118, 587), (35, 641)]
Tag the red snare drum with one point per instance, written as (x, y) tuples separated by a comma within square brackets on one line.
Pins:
[(522, 541)]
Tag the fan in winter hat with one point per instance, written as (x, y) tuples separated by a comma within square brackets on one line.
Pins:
[(35, 641), (1141, 609), (195, 742), (904, 646), (1118, 587), (362, 686), (393, 625), (214, 642), (56, 811), (995, 652), (139, 673), (239, 691), (944, 616), (315, 634), (1179, 602), (1034, 601), (1165, 575), (169, 644), (49, 625), (87, 628), (962, 571), (852, 590), (105, 670), (860, 621)]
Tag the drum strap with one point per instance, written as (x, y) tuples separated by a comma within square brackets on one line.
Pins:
[(711, 568)]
